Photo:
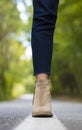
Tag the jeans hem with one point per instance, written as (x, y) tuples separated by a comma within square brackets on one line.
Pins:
[(48, 73)]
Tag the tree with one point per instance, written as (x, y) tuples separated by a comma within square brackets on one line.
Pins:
[(11, 66), (67, 56)]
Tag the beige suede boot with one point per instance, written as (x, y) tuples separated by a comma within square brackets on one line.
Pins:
[(42, 99)]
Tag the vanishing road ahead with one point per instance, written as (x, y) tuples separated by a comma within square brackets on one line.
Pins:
[(14, 113)]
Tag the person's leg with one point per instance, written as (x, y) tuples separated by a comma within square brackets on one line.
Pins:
[(44, 20)]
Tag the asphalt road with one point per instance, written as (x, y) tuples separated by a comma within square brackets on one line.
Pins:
[(15, 112)]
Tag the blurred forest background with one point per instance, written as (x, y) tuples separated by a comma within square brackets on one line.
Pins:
[(16, 70)]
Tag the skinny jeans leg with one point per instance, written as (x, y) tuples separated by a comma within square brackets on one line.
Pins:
[(43, 25)]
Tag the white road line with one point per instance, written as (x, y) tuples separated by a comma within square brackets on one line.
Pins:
[(32, 123), (26, 96)]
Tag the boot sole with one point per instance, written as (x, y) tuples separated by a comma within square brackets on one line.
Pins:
[(42, 114)]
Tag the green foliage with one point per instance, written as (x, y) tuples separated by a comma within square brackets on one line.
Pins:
[(67, 56), (13, 69)]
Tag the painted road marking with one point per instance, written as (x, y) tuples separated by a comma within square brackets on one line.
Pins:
[(32, 123)]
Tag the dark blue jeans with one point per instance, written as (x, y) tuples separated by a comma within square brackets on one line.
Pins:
[(44, 20)]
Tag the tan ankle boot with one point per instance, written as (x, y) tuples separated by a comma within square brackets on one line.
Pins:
[(42, 98)]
